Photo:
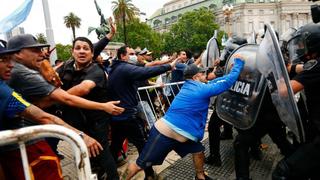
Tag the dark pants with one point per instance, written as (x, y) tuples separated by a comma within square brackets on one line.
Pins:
[(267, 123), (214, 133), (133, 130), (104, 160)]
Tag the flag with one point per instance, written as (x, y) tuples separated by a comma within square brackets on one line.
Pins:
[(16, 17)]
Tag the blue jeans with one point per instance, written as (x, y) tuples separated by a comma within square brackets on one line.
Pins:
[(158, 146)]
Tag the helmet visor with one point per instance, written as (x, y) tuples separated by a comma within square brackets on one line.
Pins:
[(296, 48)]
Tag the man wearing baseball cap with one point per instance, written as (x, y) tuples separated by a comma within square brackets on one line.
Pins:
[(182, 127)]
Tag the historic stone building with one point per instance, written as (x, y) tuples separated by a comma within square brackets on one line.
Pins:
[(243, 18)]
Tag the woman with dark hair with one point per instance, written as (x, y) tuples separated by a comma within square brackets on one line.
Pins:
[(83, 77)]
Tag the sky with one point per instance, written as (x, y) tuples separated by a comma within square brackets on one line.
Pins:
[(85, 9)]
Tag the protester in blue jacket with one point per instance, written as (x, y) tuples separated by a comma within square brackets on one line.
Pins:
[(182, 127)]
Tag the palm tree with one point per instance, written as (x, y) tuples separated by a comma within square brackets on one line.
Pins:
[(72, 21), (124, 10), (41, 38)]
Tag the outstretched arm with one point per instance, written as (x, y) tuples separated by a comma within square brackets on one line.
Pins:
[(35, 113)]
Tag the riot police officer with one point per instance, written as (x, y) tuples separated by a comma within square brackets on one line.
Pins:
[(305, 46), (215, 122), (267, 122)]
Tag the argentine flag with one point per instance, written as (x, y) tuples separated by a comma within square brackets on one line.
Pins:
[(16, 17)]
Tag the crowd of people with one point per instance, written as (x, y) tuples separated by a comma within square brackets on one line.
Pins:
[(98, 99)]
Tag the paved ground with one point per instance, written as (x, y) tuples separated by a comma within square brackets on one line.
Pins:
[(175, 168)]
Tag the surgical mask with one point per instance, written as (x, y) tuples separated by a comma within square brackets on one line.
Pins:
[(133, 59)]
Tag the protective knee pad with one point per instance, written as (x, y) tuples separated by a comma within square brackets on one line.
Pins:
[(282, 171)]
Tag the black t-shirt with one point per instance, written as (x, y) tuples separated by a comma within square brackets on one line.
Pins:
[(82, 118), (310, 79)]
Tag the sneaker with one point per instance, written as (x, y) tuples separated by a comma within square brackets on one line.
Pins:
[(153, 177), (214, 161), (205, 178)]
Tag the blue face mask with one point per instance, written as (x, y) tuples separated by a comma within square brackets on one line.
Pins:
[(133, 59)]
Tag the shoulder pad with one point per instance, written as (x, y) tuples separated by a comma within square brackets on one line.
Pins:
[(310, 64)]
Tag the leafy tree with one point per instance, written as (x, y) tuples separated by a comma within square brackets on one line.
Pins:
[(124, 10), (63, 51), (142, 35), (41, 38), (72, 21), (192, 31)]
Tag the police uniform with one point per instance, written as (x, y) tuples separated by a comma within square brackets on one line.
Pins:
[(268, 122), (304, 163)]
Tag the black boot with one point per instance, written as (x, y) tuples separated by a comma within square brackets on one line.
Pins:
[(214, 161)]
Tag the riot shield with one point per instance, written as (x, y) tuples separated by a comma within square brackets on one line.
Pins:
[(240, 105), (211, 53), (272, 67)]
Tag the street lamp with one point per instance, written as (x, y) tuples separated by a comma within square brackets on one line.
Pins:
[(227, 11)]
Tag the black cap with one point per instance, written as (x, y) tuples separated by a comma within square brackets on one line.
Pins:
[(192, 70), (24, 41), (4, 49)]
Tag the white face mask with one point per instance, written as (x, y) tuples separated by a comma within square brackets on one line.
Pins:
[(133, 59)]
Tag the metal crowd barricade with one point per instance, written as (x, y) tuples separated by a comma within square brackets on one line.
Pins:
[(21, 136), (154, 109)]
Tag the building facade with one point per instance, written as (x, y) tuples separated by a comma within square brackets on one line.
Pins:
[(15, 31), (243, 18)]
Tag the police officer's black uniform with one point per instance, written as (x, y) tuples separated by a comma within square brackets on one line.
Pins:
[(305, 162)]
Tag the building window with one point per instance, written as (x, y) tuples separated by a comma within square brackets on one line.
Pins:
[(288, 24), (213, 6), (250, 11), (174, 18), (167, 20), (271, 11), (261, 25), (250, 27), (273, 24), (261, 11)]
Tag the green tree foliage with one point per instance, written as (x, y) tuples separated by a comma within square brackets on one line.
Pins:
[(140, 34), (192, 31), (63, 51), (41, 38), (124, 10), (72, 21)]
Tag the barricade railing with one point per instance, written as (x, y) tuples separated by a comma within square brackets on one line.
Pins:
[(154, 106), (21, 136)]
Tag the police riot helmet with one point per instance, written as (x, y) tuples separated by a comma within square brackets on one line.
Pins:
[(305, 42), (232, 43), (283, 43)]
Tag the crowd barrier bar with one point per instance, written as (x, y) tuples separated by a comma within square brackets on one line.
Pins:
[(22, 135)]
